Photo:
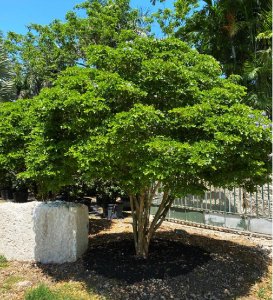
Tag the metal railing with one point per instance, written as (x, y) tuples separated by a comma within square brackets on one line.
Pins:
[(234, 208), (236, 201)]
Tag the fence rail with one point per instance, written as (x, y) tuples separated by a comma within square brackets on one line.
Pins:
[(234, 208)]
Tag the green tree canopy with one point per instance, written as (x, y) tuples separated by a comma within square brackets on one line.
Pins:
[(14, 130), (152, 115)]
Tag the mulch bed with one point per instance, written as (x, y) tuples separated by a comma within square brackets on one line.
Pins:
[(180, 266), (167, 259)]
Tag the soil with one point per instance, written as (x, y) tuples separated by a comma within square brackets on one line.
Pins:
[(184, 263)]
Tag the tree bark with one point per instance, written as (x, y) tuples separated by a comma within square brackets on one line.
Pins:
[(143, 229)]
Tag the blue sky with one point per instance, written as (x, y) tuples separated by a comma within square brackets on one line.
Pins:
[(16, 14)]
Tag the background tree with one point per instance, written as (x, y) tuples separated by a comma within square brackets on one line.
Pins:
[(14, 130), (151, 115), (7, 87), (231, 32), (45, 51), (258, 68)]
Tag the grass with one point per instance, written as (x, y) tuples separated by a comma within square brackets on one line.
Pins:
[(42, 292), (62, 291), (265, 289), (9, 283), (76, 290), (3, 262)]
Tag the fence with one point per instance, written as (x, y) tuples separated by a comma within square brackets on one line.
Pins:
[(234, 209)]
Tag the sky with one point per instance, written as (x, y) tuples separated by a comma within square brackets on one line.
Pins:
[(15, 15)]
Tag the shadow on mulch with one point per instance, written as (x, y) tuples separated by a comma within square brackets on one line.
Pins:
[(180, 266), (117, 260), (98, 225)]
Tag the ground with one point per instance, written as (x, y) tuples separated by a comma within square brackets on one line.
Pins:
[(184, 263)]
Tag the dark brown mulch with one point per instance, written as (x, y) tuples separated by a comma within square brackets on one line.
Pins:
[(166, 259)]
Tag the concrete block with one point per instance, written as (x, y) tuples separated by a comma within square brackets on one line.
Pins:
[(236, 222), (52, 232), (215, 219), (260, 226)]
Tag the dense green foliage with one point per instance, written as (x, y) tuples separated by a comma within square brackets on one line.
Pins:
[(237, 33), (169, 97), (14, 130), (179, 107), (44, 51)]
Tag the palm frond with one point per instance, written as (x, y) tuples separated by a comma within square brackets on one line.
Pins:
[(7, 85)]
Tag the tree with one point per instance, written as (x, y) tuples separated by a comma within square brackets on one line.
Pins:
[(258, 68), (229, 31), (153, 116), (41, 54), (7, 87), (14, 131)]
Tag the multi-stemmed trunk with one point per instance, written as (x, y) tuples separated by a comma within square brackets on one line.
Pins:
[(143, 228)]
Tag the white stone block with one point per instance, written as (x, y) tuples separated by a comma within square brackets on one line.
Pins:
[(52, 232)]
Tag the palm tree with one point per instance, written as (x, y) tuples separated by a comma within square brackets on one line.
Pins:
[(258, 68), (7, 86), (238, 34)]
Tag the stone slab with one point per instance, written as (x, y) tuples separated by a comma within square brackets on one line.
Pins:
[(52, 232)]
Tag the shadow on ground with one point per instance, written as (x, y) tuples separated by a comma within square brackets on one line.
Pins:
[(180, 266), (116, 260), (98, 225)]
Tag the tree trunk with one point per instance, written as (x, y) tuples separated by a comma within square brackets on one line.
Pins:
[(143, 229)]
